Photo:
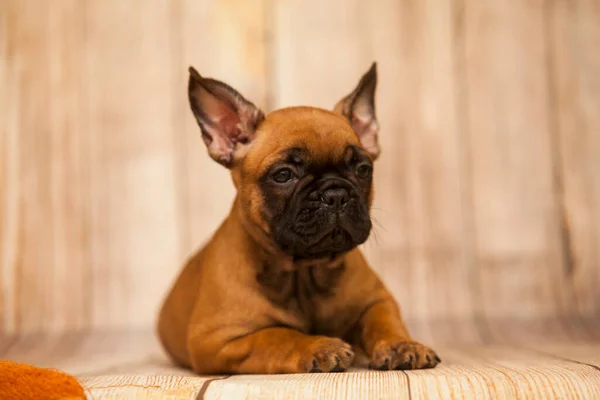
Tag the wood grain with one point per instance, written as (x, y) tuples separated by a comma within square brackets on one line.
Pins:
[(43, 213), (131, 165), (225, 40), (517, 242), (504, 372), (143, 387), (574, 33), (129, 364), (431, 272), (467, 377), (487, 224), (8, 200), (421, 231), (92, 354), (582, 352), (487, 227)]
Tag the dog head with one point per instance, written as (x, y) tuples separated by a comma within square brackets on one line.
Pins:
[(303, 174)]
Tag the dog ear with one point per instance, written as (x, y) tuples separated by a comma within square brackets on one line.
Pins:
[(227, 120), (359, 108)]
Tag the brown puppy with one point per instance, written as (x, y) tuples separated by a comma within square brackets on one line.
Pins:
[(281, 287)]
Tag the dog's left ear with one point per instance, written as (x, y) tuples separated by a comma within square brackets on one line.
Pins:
[(359, 108), (227, 120)]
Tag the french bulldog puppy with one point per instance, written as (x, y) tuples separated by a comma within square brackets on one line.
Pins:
[(282, 287)]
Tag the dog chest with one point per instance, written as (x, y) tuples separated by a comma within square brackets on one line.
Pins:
[(307, 292)]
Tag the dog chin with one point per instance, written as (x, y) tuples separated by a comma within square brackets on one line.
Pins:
[(334, 242)]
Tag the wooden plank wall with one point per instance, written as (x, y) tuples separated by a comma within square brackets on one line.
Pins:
[(487, 190)]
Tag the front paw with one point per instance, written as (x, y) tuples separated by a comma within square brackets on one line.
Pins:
[(398, 353), (325, 354)]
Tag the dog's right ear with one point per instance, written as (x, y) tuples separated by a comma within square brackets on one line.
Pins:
[(227, 120)]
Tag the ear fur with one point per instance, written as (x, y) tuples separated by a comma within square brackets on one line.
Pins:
[(227, 120), (359, 108)]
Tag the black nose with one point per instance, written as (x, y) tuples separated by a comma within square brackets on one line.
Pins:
[(335, 197)]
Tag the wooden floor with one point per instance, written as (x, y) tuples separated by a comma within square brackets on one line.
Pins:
[(132, 365), (83, 354)]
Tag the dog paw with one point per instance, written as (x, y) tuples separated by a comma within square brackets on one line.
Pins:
[(326, 354), (399, 353)]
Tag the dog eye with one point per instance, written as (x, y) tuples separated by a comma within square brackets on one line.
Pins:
[(283, 175), (364, 170)]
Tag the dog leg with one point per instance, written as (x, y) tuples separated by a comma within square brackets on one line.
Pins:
[(387, 342), (269, 351)]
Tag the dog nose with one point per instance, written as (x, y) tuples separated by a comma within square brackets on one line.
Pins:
[(335, 197)]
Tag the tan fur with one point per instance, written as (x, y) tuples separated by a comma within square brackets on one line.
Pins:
[(234, 308)]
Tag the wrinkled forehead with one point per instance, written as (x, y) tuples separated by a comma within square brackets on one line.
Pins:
[(319, 136)]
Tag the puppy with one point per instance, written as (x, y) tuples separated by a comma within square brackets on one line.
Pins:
[(282, 287)]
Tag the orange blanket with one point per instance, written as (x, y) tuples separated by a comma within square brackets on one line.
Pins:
[(23, 382)]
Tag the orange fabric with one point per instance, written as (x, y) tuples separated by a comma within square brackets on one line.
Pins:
[(23, 382)]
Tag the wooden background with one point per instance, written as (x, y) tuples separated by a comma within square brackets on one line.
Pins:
[(488, 189)]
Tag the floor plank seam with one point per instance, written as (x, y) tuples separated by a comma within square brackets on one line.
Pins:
[(596, 367), (407, 384), (206, 384)]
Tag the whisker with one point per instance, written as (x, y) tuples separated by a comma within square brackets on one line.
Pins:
[(379, 209), (378, 224), (374, 236)]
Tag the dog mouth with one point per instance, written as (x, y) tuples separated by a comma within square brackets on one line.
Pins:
[(337, 234), (336, 240), (320, 232)]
